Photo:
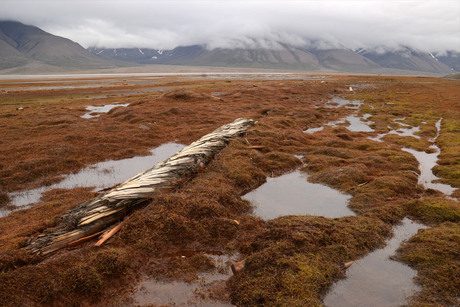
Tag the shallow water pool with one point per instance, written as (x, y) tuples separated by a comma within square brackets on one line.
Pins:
[(101, 175), (292, 194), (376, 280)]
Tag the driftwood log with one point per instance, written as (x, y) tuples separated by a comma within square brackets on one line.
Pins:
[(98, 213)]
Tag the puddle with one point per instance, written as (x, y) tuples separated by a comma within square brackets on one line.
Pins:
[(355, 124), (376, 280), (406, 132), (438, 130), (337, 102), (101, 175), (102, 109), (426, 160), (177, 293), (313, 130), (426, 163), (292, 194)]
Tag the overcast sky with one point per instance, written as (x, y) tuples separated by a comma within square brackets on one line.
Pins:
[(426, 25)]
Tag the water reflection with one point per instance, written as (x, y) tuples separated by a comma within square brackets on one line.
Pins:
[(313, 130), (101, 109), (426, 163), (376, 280), (101, 175), (292, 194), (337, 102), (355, 124), (178, 293)]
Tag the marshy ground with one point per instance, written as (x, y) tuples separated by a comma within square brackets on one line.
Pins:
[(290, 260)]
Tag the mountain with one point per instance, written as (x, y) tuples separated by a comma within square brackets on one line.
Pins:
[(406, 59), (286, 57), (22, 45), (25, 48), (450, 58), (289, 57), (344, 60)]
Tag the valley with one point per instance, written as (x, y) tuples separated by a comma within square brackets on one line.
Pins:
[(348, 136)]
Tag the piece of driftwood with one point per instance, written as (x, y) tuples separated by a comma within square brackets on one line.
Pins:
[(84, 239), (349, 264), (98, 213), (109, 234)]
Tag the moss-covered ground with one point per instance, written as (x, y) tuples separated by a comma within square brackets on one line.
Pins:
[(290, 260)]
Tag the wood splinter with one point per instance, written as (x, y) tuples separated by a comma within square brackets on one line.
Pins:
[(349, 264), (109, 234)]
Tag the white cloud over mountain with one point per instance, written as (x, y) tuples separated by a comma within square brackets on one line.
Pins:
[(432, 26)]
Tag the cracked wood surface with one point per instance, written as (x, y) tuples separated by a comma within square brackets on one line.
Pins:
[(100, 212)]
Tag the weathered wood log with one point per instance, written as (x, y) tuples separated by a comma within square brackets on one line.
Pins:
[(98, 213)]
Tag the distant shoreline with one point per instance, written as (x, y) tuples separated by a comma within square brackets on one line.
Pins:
[(154, 70)]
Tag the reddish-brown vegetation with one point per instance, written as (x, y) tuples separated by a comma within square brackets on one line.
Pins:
[(44, 138)]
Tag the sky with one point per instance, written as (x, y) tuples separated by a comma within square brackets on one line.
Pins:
[(431, 26)]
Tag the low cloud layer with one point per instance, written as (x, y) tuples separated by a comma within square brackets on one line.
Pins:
[(432, 26)]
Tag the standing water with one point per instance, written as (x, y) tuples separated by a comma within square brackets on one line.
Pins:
[(101, 109), (101, 175), (376, 280), (426, 163), (293, 194), (202, 292)]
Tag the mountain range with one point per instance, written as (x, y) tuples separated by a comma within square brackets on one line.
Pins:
[(289, 57), (25, 48)]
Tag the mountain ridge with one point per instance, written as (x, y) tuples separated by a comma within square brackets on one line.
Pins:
[(289, 57), (25, 48), (22, 45)]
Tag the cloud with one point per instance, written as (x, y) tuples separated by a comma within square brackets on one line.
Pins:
[(432, 26)]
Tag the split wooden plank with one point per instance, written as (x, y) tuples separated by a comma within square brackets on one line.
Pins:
[(84, 239), (106, 209), (109, 234)]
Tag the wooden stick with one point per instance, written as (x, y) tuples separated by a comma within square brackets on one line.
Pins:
[(84, 239), (108, 235)]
